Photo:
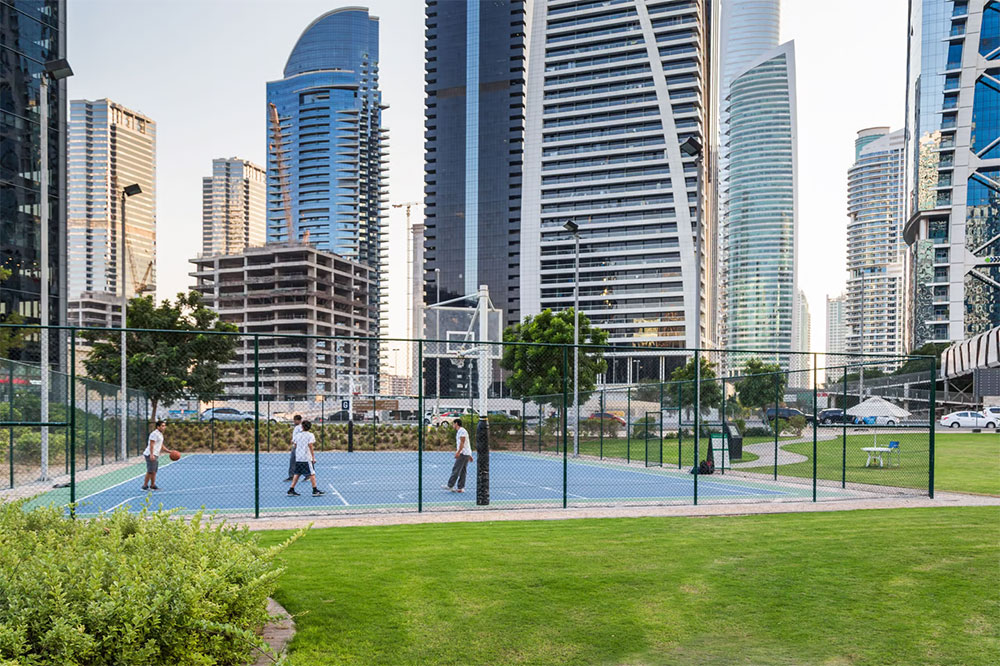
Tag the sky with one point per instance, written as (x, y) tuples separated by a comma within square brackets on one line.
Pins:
[(199, 69)]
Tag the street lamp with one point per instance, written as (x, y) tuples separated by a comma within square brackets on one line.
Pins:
[(57, 70), (127, 191), (574, 229), (437, 334), (692, 148)]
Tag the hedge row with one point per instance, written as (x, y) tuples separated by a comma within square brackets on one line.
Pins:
[(143, 589)]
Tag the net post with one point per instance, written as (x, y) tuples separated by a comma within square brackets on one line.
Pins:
[(697, 418), (565, 418), (628, 426), (933, 424), (843, 425), (72, 422), (420, 425), (774, 422), (256, 425), (815, 370)]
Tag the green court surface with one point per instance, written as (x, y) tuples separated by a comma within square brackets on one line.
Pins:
[(865, 588)]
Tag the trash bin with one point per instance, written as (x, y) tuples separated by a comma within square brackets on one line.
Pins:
[(735, 443)]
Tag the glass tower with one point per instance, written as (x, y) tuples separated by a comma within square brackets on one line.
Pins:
[(876, 286), (232, 207), (474, 119), (326, 177), (32, 33), (614, 89), (760, 229), (953, 168), (110, 148)]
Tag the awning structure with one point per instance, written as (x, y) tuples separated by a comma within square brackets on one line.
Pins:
[(876, 406), (979, 352)]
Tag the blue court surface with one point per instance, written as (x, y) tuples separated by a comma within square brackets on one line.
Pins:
[(366, 480)]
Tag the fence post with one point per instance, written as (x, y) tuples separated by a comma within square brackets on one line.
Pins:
[(843, 425), (661, 420), (815, 455), (774, 422), (565, 417), (72, 422), (697, 418), (10, 415), (420, 425), (375, 422), (628, 427), (601, 454), (86, 428), (269, 425), (256, 426), (539, 428), (212, 420), (933, 425), (322, 421), (102, 427), (680, 434), (722, 429)]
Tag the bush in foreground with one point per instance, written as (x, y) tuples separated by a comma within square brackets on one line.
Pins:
[(143, 589)]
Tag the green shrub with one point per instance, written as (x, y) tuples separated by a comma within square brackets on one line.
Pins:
[(149, 588)]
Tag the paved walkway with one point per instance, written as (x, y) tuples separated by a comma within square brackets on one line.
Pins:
[(765, 452)]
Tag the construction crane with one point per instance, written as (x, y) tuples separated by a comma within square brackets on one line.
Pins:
[(280, 164), (408, 205)]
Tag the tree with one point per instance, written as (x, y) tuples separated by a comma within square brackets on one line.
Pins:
[(166, 366), (711, 391), (760, 384), (536, 368), (649, 390), (11, 338)]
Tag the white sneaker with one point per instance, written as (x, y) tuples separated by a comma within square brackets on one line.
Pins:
[(446, 487), (459, 490)]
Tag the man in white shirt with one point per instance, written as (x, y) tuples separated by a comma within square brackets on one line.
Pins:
[(154, 446), (463, 456), (305, 458), (297, 420)]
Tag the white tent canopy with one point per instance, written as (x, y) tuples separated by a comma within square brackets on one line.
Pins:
[(876, 406)]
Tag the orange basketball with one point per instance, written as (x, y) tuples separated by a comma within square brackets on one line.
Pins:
[(174, 455)]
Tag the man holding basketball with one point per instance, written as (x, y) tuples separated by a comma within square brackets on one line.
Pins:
[(297, 420), (152, 454)]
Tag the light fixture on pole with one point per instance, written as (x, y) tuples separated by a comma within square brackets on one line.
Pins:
[(574, 229), (692, 148), (127, 191), (57, 70)]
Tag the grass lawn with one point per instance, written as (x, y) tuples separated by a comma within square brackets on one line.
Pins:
[(963, 462), (621, 447), (886, 587)]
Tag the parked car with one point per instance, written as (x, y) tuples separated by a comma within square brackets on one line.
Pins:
[(228, 414), (607, 415), (787, 413), (992, 413), (442, 419), (828, 416), (969, 420)]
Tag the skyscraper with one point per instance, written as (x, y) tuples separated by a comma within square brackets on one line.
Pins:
[(474, 120), (110, 148), (760, 229), (232, 207), (325, 170), (33, 34), (613, 92), (875, 269), (953, 168), (836, 327)]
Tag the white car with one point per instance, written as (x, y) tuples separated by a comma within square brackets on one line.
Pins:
[(969, 420), (877, 420)]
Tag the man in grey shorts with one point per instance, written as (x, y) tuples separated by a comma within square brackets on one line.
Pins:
[(154, 447), (297, 420)]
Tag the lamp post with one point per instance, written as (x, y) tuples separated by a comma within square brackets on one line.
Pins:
[(692, 148), (574, 229), (56, 70), (437, 334), (127, 191)]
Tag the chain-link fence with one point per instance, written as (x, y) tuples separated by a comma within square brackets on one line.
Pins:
[(646, 425)]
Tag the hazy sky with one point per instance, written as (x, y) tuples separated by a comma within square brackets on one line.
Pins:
[(199, 69)]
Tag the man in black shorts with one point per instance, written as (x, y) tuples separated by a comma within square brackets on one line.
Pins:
[(305, 458)]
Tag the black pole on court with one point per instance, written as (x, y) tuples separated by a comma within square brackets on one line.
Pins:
[(483, 462)]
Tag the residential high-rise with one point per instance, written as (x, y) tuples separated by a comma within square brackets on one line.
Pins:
[(836, 326), (876, 287), (232, 207), (110, 148), (802, 339), (953, 168), (33, 34), (326, 179), (613, 92), (474, 120), (760, 229)]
